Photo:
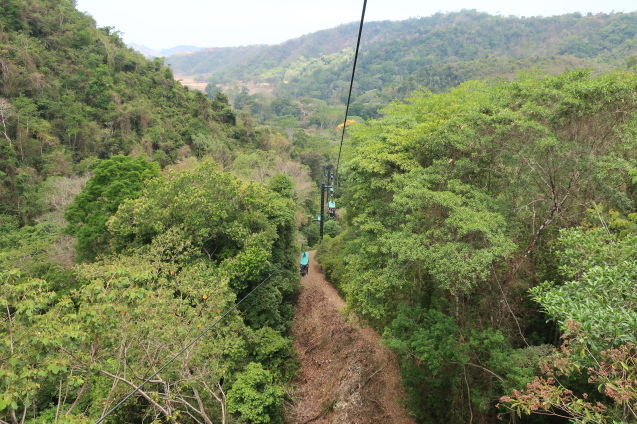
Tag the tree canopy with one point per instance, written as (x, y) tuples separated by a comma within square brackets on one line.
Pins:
[(453, 203), (185, 249), (113, 181)]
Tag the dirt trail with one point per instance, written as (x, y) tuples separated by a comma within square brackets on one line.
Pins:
[(347, 376)]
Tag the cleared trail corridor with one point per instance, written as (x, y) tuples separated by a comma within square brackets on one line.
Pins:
[(346, 376)]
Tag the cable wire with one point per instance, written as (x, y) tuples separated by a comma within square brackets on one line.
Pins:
[(128, 396), (351, 84)]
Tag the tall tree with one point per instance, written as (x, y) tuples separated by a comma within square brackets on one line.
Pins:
[(114, 180)]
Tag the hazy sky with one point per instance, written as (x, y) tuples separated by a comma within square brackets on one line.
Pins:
[(219, 23)]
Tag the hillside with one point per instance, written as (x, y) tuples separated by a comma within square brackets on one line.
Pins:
[(134, 214), (397, 55), (489, 234), (73, 94)]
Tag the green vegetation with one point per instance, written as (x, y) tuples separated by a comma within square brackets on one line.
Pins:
[(190, 245), (438, 52), (597, 313), (113, 181), (454, 204), (72, 94), (303, 83), (124, 235), (488, 227)]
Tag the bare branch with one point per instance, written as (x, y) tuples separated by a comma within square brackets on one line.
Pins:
[(78, 397), (10, 328), (141, 392), (5, 112), (487, 370), (372, 376)]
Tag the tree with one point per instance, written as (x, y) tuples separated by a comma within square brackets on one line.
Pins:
[(282, 184), (332, 228), (453, 204), (284, 107), (255, 396), (243, 227), (191, 245), (212, 90), (113, 181), (596, 310), (6, 112)]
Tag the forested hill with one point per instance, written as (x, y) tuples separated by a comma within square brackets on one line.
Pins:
[(71, 94), (482, 224), (123, 236), (439, 52)]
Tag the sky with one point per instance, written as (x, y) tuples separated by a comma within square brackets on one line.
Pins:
[(159, 24)]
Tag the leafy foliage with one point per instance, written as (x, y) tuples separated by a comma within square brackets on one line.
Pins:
[(611, 372), (453, 204), (255, 396), (114, 180), (199, 240), (72, 92), (175, 251), (596, 311)]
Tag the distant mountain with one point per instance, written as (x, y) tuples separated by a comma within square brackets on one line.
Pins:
[(439, 52), (215, 59), (150, 53), (179, 49), (146, 51)]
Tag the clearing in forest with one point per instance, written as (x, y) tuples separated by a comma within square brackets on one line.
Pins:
[(346, 375)]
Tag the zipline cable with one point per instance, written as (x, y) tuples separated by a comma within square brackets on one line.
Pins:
[(128, 396), (351, 84)]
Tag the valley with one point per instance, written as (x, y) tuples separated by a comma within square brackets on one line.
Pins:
[(481, 259)]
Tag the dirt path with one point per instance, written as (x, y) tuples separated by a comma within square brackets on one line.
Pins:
[(347, 376)]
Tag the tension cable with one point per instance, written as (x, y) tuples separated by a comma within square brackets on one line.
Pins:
[(351, 84)]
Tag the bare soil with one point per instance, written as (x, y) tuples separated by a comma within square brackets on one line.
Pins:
[(189, 81), (253, 88), (347, 376)]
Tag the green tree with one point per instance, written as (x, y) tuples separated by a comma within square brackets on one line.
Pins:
[(245, 228), (198, 240), (212, 90), (590, 378), (30, 366), (113, 181), (255, 396), (332, 228), (453, 203), (284, 107), (282, 184)]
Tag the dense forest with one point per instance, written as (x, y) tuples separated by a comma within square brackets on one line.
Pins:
[(486, 221), (438, 51), (134, 214), (486, 227)]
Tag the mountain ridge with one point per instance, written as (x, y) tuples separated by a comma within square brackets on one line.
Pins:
[(392, 52), (153, 53)]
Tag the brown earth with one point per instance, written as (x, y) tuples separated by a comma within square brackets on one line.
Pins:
[(347, 376), (189, 81), (253, 88)]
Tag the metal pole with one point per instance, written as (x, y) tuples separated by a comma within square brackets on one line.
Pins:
[(322, 216)]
